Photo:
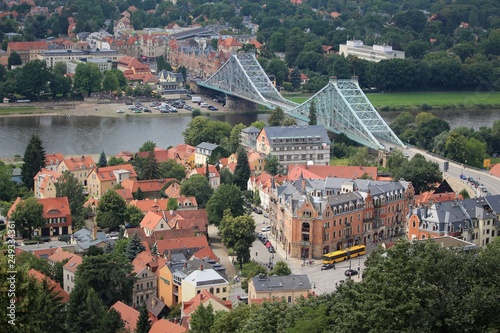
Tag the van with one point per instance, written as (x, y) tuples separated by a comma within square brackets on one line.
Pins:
[(204, 105)]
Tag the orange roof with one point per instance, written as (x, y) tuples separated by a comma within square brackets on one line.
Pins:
[(335, 15), (55, 207), (182, 243), (106, 173), (323, 171), (40, 254), (230, 41), (125, 155), (58, 290), (60, 255), (153, 185), (173, 234), (53, 159), (26, 46), (495, 170), (255, 43), (163, 325), (201, 298), (126, 194), (129, 315), (78, 163), (195, 219), (141, 261), (148, 205), (73, 263), (174, 190), (427, 197), (151, 220), (201, 170), (205, 252)]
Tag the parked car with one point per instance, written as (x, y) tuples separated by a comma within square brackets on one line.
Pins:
[(266, 228), (463, 177), (64, 238), (212, 108), (113, 234), (120, 111), (351, 272), (46, 239), (327, 266), (266, 215), (271, 249)]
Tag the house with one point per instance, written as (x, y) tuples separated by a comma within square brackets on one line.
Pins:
[(295, 144), (150, 188), (203, 152), (101, 180), (171, 280), (69, 270), (248, 137), (186, 246), (298, 171), (52, 161), (156, 308), (287, 288), (203, 298), (80, 167), (129, 315), (86, 238), (195, 220), (373, 53), (136, 71), (164, 325), (264, 184), (59, 256), (442, 193), (153, 221), (228, 45), (27, 50), (161, 155), (56, 287), (213, 175), (168, 80), (44, 183), (145, 279), (256, 162), (160, 205), (126, 194), (126, 155), (184, 155)]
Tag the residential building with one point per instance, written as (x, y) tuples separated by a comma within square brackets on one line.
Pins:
[(129, 315), (145, 279), (86, 238), (228, 45), (373, 53), (472, 220), (203, 278), (204, 298), (295, 144), (136, 71), (257, 162), (156, 308), (80, 167), (213, 175), (59, 256), (69, 271), (44, 183), (101, 180), (287, 288), (28, 51), (248, 137), (53, 285), (103, 58), (310, 217), (164, 325), (150, 188), (154, 221), (160, 205), (184, 155), (52, 161), (203, 152), (152, 46), (298, 171), (103, 64)]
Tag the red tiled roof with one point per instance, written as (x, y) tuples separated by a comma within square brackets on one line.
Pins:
[(60, 255), (53, 159), (182, 243), (141, 261), (495, 170), (153, 185), (324, 171), (205, 252), (201, 298), (106, 173), (129, 315), (78, 163), (151, 220), (125, 155), (73, 263), (230, 41), (26, 46), (53, 207), (174, 190), (201, 170), (163, 326), (58, 290), (126, 194)]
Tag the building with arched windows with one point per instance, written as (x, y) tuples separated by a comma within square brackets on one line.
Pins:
[(310, 217)]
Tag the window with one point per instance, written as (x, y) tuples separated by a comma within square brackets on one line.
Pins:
[(217, 291), (289, 299), (224, 289)]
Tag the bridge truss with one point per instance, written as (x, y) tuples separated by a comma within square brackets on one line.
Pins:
[(341, 106)]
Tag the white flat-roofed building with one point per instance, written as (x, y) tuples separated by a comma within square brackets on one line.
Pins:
[(53, 56), (373, 53), (104, 64)]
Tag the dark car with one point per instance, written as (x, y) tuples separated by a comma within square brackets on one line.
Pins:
[(271, 249), (64, 238), (147, 110), (129, 103), (46, 239), (351, 272), (463, 177), (327, 267)]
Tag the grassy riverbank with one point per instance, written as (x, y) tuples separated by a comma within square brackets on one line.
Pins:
[(427, 100)]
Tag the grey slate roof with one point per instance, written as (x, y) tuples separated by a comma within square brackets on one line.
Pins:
[(297, 132), (251, 129), (207, 146), (279, 283), (85, 240)]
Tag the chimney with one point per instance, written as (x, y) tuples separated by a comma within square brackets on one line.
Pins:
[(153, 302), (303, 185), (185, 264), (201, 267), (94, 231)]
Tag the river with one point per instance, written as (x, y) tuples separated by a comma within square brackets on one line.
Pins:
[(91, 134)]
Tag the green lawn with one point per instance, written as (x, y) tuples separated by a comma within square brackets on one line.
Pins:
[(436, 100), (5, 111)]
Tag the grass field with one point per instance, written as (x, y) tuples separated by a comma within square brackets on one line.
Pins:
[(430, 100), (5, 111)]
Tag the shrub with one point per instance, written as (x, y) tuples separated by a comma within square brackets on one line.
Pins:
[(425, 107)]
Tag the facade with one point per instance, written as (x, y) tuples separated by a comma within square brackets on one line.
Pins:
[(287, 288), (145, 279), (152, 47), (80, 167), (213, 175), (373, 53), (203, 298), (472, 220), (69, 271), (44, 183), (51, 57), (28, 51), (203, 152), (203, 278), (310, 217), (103, 64), (101, 180), (52, 161), (153, 221), (248, 137), (295, 144)]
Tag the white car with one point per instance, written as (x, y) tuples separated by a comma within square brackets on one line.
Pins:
[(120, 111), (266, 228)]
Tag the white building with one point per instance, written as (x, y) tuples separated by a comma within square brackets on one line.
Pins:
[(373, 53)]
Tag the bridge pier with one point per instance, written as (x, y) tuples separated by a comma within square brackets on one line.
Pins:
[(238, 104)]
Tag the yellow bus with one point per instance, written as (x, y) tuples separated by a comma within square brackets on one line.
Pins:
[(341, 255)]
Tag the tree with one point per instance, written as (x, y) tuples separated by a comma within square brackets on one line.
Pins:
[(134, 247), (110, 285), (76, 306), (94, 251), (163, 65), (454, 147), (279, 69), (111, 211), (281, 269), (68, 186), (33, 78), (464, 193), (150, 169), (197, 186), (87, 78), (475, 152), (60, 85), (7, 186), (28, 216), (148, 146), (202, 319), (226, 176), (361, 157), (227, 196), (14, 60), (34, 160), (256, 198), (116, 161), (59, 68), (143, 323), (313, 117), (276, 118), (134, 216), (242, 170), (421, 173), (234, 138), (110, 82), (289, 121), (403, 121), (102, 160), (295, 78), (258, 124), (172, 169), (272, 166), (427, 130)]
